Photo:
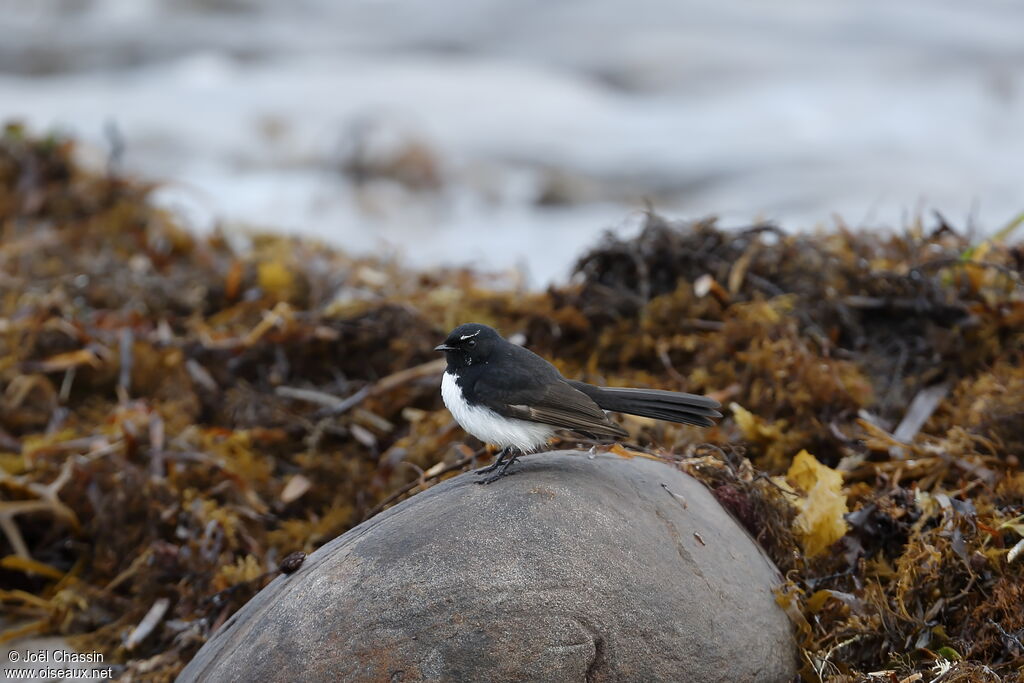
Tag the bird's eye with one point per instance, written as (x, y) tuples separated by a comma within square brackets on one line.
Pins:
[(471, 343)]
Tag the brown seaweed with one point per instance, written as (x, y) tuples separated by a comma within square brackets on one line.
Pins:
[(181, 418)]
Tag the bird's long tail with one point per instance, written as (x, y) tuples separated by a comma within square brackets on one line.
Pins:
[(673, 406)]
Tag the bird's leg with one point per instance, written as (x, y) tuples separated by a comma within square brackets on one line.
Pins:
[(502, 454), (501, 472)]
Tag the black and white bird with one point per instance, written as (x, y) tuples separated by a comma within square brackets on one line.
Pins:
[(506, 395)]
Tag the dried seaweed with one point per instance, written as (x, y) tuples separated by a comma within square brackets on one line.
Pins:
[(181, 415)]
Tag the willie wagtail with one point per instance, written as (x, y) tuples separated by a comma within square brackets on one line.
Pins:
[(509, 396)]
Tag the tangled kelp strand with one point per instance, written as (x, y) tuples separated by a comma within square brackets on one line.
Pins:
[(179, 415)]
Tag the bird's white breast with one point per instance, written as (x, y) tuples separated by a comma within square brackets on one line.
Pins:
[(489, 426)]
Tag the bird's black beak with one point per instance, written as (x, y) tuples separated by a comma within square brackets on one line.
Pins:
[(444, 347)]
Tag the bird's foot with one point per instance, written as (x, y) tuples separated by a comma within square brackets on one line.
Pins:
[(496, 476), (499, 460), (502, 471), (489, 468)]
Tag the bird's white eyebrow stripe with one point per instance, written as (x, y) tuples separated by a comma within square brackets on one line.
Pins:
[(467, 336)]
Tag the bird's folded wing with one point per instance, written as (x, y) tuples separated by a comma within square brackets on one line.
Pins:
[(554, 403)]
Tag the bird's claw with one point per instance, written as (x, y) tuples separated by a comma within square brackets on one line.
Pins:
[(501, 463), (495, 477)]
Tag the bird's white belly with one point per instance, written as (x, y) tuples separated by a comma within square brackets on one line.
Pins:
[(489, 426)]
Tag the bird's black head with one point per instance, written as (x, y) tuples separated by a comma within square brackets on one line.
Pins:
[(470, 344)]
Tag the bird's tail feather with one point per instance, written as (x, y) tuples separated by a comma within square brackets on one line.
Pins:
[(673, 406)]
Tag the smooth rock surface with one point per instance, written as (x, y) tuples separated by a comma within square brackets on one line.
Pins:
[(575, 568)]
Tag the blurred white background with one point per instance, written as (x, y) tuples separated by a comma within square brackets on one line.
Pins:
[(507, 133)]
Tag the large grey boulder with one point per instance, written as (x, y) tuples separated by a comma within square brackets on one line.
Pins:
[(575, 568)]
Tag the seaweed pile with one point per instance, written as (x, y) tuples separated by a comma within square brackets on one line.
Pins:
[(884, 376), (180, 415)]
